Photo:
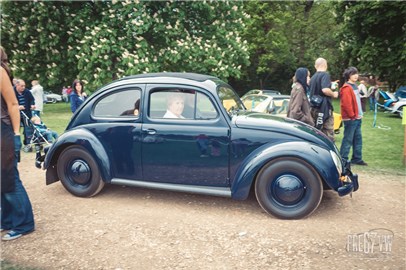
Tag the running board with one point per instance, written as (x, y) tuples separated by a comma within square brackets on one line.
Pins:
[(213, 191)]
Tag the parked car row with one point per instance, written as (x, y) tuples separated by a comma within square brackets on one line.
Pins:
[(193, 133), (50, 97)]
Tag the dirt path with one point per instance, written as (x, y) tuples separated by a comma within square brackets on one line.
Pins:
[(132, 228)]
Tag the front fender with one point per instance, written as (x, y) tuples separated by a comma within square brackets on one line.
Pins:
[(316, 156), (84, 138)]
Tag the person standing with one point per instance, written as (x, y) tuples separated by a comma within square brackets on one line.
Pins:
[(363, 94), (351, 112), (299, 106), (26, 104), (322, 107), (78, 96), (373, 95), (65, 95), (16, 210), (38, 93)]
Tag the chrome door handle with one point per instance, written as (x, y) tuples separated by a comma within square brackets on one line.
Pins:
[(149, 131)]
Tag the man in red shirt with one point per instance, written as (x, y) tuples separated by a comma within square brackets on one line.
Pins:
[(351, 113)]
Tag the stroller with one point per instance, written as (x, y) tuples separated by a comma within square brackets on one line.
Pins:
[(35, 138)]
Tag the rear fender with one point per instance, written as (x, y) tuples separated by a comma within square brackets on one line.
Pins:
[(84, 138), (319, 158)]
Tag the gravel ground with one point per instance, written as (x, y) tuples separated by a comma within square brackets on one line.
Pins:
[(133, 228)]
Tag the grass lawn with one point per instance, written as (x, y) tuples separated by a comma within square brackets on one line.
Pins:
[(382, 145)]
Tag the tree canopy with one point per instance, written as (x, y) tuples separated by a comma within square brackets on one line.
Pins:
[(251, 44), (373, 38), (101, 41)]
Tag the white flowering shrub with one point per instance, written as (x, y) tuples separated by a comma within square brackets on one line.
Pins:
[(57, 42)]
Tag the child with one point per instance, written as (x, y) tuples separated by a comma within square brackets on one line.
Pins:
[(42, 128)]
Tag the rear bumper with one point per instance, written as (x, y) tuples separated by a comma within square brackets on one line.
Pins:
[(349, 181)]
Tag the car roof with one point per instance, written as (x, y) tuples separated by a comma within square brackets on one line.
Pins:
[(256, 95), (281, 97), (181, 75), (267, 96), (263, 91), (207, 81)]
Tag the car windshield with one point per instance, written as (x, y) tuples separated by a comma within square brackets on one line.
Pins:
[(252, 102), (230, 100)]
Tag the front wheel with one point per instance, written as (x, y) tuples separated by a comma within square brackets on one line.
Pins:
[(288, 188), (78, 172)]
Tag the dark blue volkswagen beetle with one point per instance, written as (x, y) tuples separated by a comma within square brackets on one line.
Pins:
[(190, 132)]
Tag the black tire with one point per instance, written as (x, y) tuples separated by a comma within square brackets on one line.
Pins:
[(79, 173), (288, 188)]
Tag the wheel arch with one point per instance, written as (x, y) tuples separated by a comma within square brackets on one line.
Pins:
[(81, 137), (317, 157)]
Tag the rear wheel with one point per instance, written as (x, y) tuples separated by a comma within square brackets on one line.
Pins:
[(79, 173), (288, 188)]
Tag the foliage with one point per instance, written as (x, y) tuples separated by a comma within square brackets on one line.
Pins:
[(98, 41), (286, 35), (373, 38), (34, 36)]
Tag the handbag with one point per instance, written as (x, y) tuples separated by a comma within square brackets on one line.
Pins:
[(316, 101)]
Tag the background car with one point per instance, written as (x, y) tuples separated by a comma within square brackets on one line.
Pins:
[(278, 105), (267, 92), (209, 149), (275, 105), (50, 97)]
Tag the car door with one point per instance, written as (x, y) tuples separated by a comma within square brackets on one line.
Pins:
[(192, 148), (117, 123)]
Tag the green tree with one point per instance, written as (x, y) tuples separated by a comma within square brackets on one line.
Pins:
[(34, 35), (283, 36), (100, 41), (373, 38)]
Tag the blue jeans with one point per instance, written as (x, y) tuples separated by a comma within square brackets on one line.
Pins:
[(352, 138), (50, 135), (372, 102), (16, 209)]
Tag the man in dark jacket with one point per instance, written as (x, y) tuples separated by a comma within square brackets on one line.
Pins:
[(26, 103), (320, 85)]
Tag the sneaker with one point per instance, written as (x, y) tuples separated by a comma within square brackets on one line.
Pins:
[(362, 163), (11, 235)]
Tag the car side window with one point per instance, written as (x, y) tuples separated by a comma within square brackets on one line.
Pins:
[(205, 108), (119, 104), (181, 104)]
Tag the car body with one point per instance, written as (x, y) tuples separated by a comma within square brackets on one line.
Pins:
[(397, 106), (208, 150), (50, 97), (401, 92), (393, 103), (278, 105)]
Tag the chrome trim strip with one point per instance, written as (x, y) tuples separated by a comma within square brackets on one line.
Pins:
[(215, 191)]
